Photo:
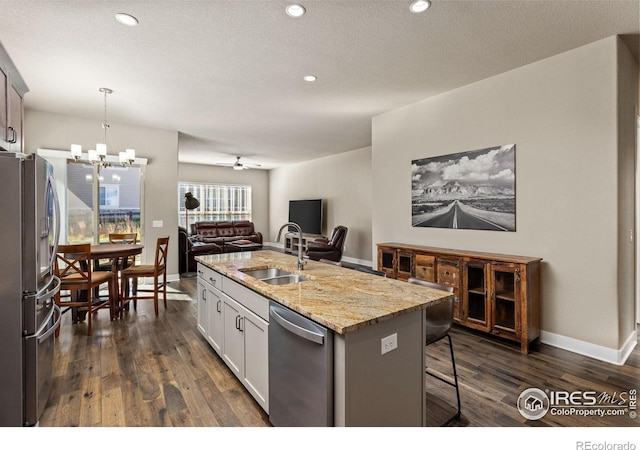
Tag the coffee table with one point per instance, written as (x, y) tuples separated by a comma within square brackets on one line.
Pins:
[(246, 246)]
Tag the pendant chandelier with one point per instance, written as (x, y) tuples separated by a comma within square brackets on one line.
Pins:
[(98, 156)]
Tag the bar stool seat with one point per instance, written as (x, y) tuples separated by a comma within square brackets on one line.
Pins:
[(439, 318)]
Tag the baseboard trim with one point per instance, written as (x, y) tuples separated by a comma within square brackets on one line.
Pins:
[(360, 262), (599, 352), (171, 277)]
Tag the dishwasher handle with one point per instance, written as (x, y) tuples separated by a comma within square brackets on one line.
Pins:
[(304, 333)]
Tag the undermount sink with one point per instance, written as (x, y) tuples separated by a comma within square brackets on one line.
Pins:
[(275, 276), (269, 272), (284, 279)]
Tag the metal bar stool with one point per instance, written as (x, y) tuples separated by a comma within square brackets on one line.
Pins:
[(439, 318)]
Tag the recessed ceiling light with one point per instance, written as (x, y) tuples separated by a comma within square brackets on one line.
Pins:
[(126, 19), (310, 78), (295, 10), (419, 6)]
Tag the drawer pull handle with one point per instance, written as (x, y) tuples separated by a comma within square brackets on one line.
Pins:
[(239, 324), (14, 133)]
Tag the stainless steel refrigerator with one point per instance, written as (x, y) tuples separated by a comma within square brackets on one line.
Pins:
[(29, 233)]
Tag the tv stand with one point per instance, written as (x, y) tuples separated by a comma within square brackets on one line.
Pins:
[(291, 242)]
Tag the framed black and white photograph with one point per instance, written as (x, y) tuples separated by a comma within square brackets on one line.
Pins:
[(474, 190)]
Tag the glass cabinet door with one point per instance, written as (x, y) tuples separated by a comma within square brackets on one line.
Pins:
[(405, 265), (477, 305), (387, 261), (506, 307)]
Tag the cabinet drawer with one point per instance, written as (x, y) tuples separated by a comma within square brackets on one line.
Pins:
[(448, 272), (425, 267), (247, 298), (210, 276)]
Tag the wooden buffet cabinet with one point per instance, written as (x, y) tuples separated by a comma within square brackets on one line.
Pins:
[(495, 293)]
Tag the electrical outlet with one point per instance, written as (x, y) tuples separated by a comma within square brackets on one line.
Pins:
[(158, 224), (388, 343)]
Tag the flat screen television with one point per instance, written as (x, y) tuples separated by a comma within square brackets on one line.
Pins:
[(307, 214)]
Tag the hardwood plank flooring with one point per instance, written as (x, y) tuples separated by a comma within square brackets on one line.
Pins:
[(144, 371)]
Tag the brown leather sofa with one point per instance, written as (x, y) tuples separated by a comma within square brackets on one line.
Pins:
[(187, 258), (224, 232)]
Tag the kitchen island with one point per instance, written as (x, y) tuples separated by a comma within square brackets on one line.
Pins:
[(377, 329)]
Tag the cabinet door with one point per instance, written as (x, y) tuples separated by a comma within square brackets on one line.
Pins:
[(256, 357), (448, 270), (216, 325), (476, 304), (404, 269), (387, 261), (233, 349), (203, 314), (14, 118), (3, 108), (505, 283)]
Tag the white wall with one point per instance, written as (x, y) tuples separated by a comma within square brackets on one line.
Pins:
[(258, 179), (343, 181), (561, 113), (627, 95), (58, 132)]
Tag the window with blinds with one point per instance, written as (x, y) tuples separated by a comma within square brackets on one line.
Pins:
[(217, 202)]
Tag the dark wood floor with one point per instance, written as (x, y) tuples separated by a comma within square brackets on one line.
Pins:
[(145, 371)]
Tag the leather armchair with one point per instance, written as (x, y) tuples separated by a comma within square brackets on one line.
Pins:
[(194, 248), (331, 250)]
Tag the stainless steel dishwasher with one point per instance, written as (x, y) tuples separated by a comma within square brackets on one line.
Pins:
[(300, 370)]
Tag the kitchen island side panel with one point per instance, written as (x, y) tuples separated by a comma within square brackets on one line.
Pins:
[(372, 389)]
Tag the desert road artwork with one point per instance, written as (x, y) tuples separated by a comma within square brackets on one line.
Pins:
[(473, 190)]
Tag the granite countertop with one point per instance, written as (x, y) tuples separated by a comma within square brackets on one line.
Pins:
[(339, 298)]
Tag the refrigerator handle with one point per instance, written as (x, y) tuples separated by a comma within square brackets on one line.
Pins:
[(295, 329), (56, 209), (47, 292), (43, 337)]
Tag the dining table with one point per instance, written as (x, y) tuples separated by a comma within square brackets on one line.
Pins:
[(117, 253)]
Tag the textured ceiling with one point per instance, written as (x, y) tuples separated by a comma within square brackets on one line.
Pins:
[(228, 74)]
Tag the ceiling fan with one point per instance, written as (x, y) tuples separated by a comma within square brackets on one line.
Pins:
[(239, 165)]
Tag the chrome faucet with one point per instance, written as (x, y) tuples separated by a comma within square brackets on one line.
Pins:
[(301, 261)]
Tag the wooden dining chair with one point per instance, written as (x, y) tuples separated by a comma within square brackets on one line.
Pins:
[(157, 270), (73, 267), (119, 238)]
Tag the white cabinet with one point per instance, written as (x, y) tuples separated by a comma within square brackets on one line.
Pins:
[(12, 90), (234, 341), (292, 242), (255, 374), (203, 308), (246, 349), (215, 332), (232, 317), (210, 314)]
